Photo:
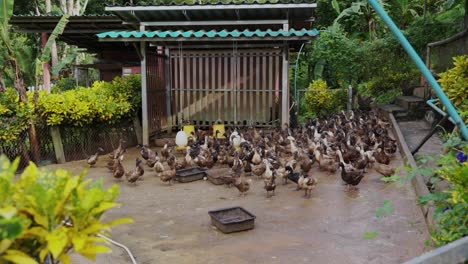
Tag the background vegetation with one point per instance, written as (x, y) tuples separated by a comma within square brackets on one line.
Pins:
[(355, 47)]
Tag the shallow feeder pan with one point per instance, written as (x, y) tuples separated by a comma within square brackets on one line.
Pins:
[(215, 176), (190, 174), (233, 219)]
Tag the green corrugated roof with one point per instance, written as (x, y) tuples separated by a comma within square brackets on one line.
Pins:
[(214, 2), (208, 34)]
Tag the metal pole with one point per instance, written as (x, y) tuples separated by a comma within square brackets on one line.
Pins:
[(144, 94), (422, 67), (285, 90)]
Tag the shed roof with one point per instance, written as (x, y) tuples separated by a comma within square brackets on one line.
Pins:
[(201, 36), (230, 10), (80, 30)]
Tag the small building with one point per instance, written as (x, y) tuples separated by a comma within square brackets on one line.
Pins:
[(200, 63)]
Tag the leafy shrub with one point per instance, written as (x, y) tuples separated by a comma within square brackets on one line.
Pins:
[(104, 102), (451, 215), (50, 214), (64, 84), (452, 206), (14, 116), (323, 101), (455, 84)]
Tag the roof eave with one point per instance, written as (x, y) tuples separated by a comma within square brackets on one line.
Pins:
[(209, 7)]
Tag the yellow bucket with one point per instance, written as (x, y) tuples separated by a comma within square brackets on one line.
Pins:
[(221, 130), (189, 130)]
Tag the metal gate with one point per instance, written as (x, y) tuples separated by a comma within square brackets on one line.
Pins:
[(156, 92), (238, 87)]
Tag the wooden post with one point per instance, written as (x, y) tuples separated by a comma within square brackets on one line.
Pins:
[(285, 87), (138, 131), (58, 147), (144, 94)]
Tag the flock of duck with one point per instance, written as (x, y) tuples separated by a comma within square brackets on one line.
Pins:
[(350, 141)]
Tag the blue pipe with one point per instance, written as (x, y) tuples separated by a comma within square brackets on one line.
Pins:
[(422, 67), (432, 102)]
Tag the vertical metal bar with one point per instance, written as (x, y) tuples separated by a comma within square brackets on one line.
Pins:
[(257, 87), (270, 87), (226, 88), (277, 84), (175, 83), (284, 88), (144, 94), (251, 86), (213, 86), (206, 89), (168, 81), (189, 87), (238, 91), (264, 87), (200, 86), (219, 98), (420, 64), (245, 113)]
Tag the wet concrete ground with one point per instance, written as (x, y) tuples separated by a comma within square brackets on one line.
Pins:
[(172, 224), (415, 131)]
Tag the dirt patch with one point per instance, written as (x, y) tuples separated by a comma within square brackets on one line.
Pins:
[(172, 224)]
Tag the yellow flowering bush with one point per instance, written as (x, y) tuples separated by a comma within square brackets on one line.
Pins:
[(14, 116), (455, 84), (322, 100), (104, 102)]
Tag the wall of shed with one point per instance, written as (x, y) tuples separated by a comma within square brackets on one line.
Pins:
[(242, 87)]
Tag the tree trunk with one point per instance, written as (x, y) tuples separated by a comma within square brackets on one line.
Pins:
[(63, 6), (70, 7), (45, 66), (54, 56)]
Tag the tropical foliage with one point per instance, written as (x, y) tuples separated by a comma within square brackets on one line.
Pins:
[(104, 102), (455, 84), (49, 215), (322, 100), (452, 205)]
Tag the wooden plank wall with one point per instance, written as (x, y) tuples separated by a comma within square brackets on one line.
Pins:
[(239, 88), (156, 89)]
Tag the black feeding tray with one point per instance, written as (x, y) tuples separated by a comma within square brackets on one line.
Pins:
[(233, 219), (190, 174)]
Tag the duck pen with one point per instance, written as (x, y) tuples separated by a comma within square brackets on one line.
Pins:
[(214, 63)]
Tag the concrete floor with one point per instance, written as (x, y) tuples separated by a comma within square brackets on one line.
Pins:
[(172, 224), (415, 131)]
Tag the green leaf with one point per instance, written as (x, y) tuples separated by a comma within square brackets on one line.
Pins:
[(336, 6), (57, 241), (67, 60), (393, 178), (58, 30), (18, 257), (386, 209), (370, 235), (6, 10)]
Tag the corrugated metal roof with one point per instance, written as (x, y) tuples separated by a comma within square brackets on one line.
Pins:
[(215, 2), (260, 10), (202, 34)]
